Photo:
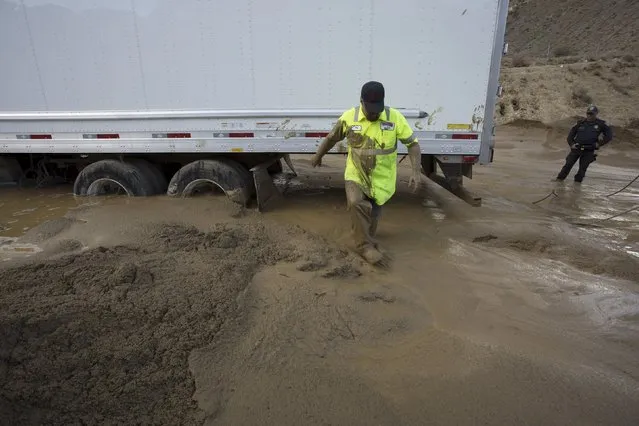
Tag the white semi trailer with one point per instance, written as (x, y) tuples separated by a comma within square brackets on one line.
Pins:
[(157, 96)]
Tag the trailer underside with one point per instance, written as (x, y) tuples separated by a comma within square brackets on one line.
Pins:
[(245, 178)]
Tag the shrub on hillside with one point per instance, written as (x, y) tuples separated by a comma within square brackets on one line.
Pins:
[(561, 52), (593, 66), (516, 105), (581, 97), (619, 88), (521, 62)]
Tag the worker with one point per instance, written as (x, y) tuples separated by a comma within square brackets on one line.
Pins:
[(371, 131), (584, 139)]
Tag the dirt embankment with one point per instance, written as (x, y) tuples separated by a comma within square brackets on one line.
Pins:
[(103, 336), (550, 93), (567, 54)]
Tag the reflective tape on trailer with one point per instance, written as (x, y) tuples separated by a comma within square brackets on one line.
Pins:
[(101, 136), (172, 135), (457, 136), (233, 135), (36, 136)]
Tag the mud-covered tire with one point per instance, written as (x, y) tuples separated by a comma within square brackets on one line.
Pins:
[(131, 179), (229, 176), (153, 173)]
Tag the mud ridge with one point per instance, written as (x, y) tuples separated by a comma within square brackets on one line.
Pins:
[(104, 335), (585, 258)]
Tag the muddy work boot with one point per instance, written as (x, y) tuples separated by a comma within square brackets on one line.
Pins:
[(375, 257)]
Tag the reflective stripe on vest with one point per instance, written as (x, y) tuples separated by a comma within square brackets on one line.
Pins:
[(367, 152), (375, 151)]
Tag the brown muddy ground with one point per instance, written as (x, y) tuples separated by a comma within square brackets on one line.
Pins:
[(166, 311)]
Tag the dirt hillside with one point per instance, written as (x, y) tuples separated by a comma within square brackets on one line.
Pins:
[(565, 55), (571, 27), (552, 93)]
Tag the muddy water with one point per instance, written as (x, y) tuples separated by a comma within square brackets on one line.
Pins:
[(513, 313), (23, 209)]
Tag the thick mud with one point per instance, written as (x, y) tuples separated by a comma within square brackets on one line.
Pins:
[(167, 311), (103, 335)]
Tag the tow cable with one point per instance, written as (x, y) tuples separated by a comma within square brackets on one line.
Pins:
[(546, 197), (554, 194), (624, 188)]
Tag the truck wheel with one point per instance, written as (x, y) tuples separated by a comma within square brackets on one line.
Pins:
[(226, 175), (10, 170), (113, 177), (153, 173)]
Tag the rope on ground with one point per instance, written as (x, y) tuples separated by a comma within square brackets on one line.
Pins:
[(552, 193), (624, 188), (621, 214)]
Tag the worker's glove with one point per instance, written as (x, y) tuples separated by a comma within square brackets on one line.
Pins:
[(574, 146), (316, 161), (597, 145), (415, 181)]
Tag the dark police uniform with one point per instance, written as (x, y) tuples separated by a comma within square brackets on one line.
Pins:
[(584, 140)]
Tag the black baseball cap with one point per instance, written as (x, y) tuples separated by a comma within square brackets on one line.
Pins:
[(373, 97), (592, 109)]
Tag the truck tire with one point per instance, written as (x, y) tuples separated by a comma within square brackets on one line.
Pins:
[(105, 176), (153, 173), (10, 171), (227, 175)]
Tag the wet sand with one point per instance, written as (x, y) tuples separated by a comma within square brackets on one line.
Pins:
[(193, 311)]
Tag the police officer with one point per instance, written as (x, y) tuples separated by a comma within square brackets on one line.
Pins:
[(584, 139), (371, 131)]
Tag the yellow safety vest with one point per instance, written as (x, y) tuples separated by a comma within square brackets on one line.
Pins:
[(372, 150)]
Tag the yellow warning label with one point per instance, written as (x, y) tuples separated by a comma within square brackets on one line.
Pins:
[(237, 149), (459, 126)]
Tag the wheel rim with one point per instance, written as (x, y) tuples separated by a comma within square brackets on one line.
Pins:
[(203, 187), (106, 186)]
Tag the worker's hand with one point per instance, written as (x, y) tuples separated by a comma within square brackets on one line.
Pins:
[(573, 146), (597, 145), (415, 181), (316, 161)]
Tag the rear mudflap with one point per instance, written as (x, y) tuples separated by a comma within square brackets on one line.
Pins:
[(267, 193)]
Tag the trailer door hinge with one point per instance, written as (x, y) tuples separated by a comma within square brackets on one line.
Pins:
[(500, 91), (505, 51)]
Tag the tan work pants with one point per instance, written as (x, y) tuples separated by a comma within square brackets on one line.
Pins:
[(365, 215)]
